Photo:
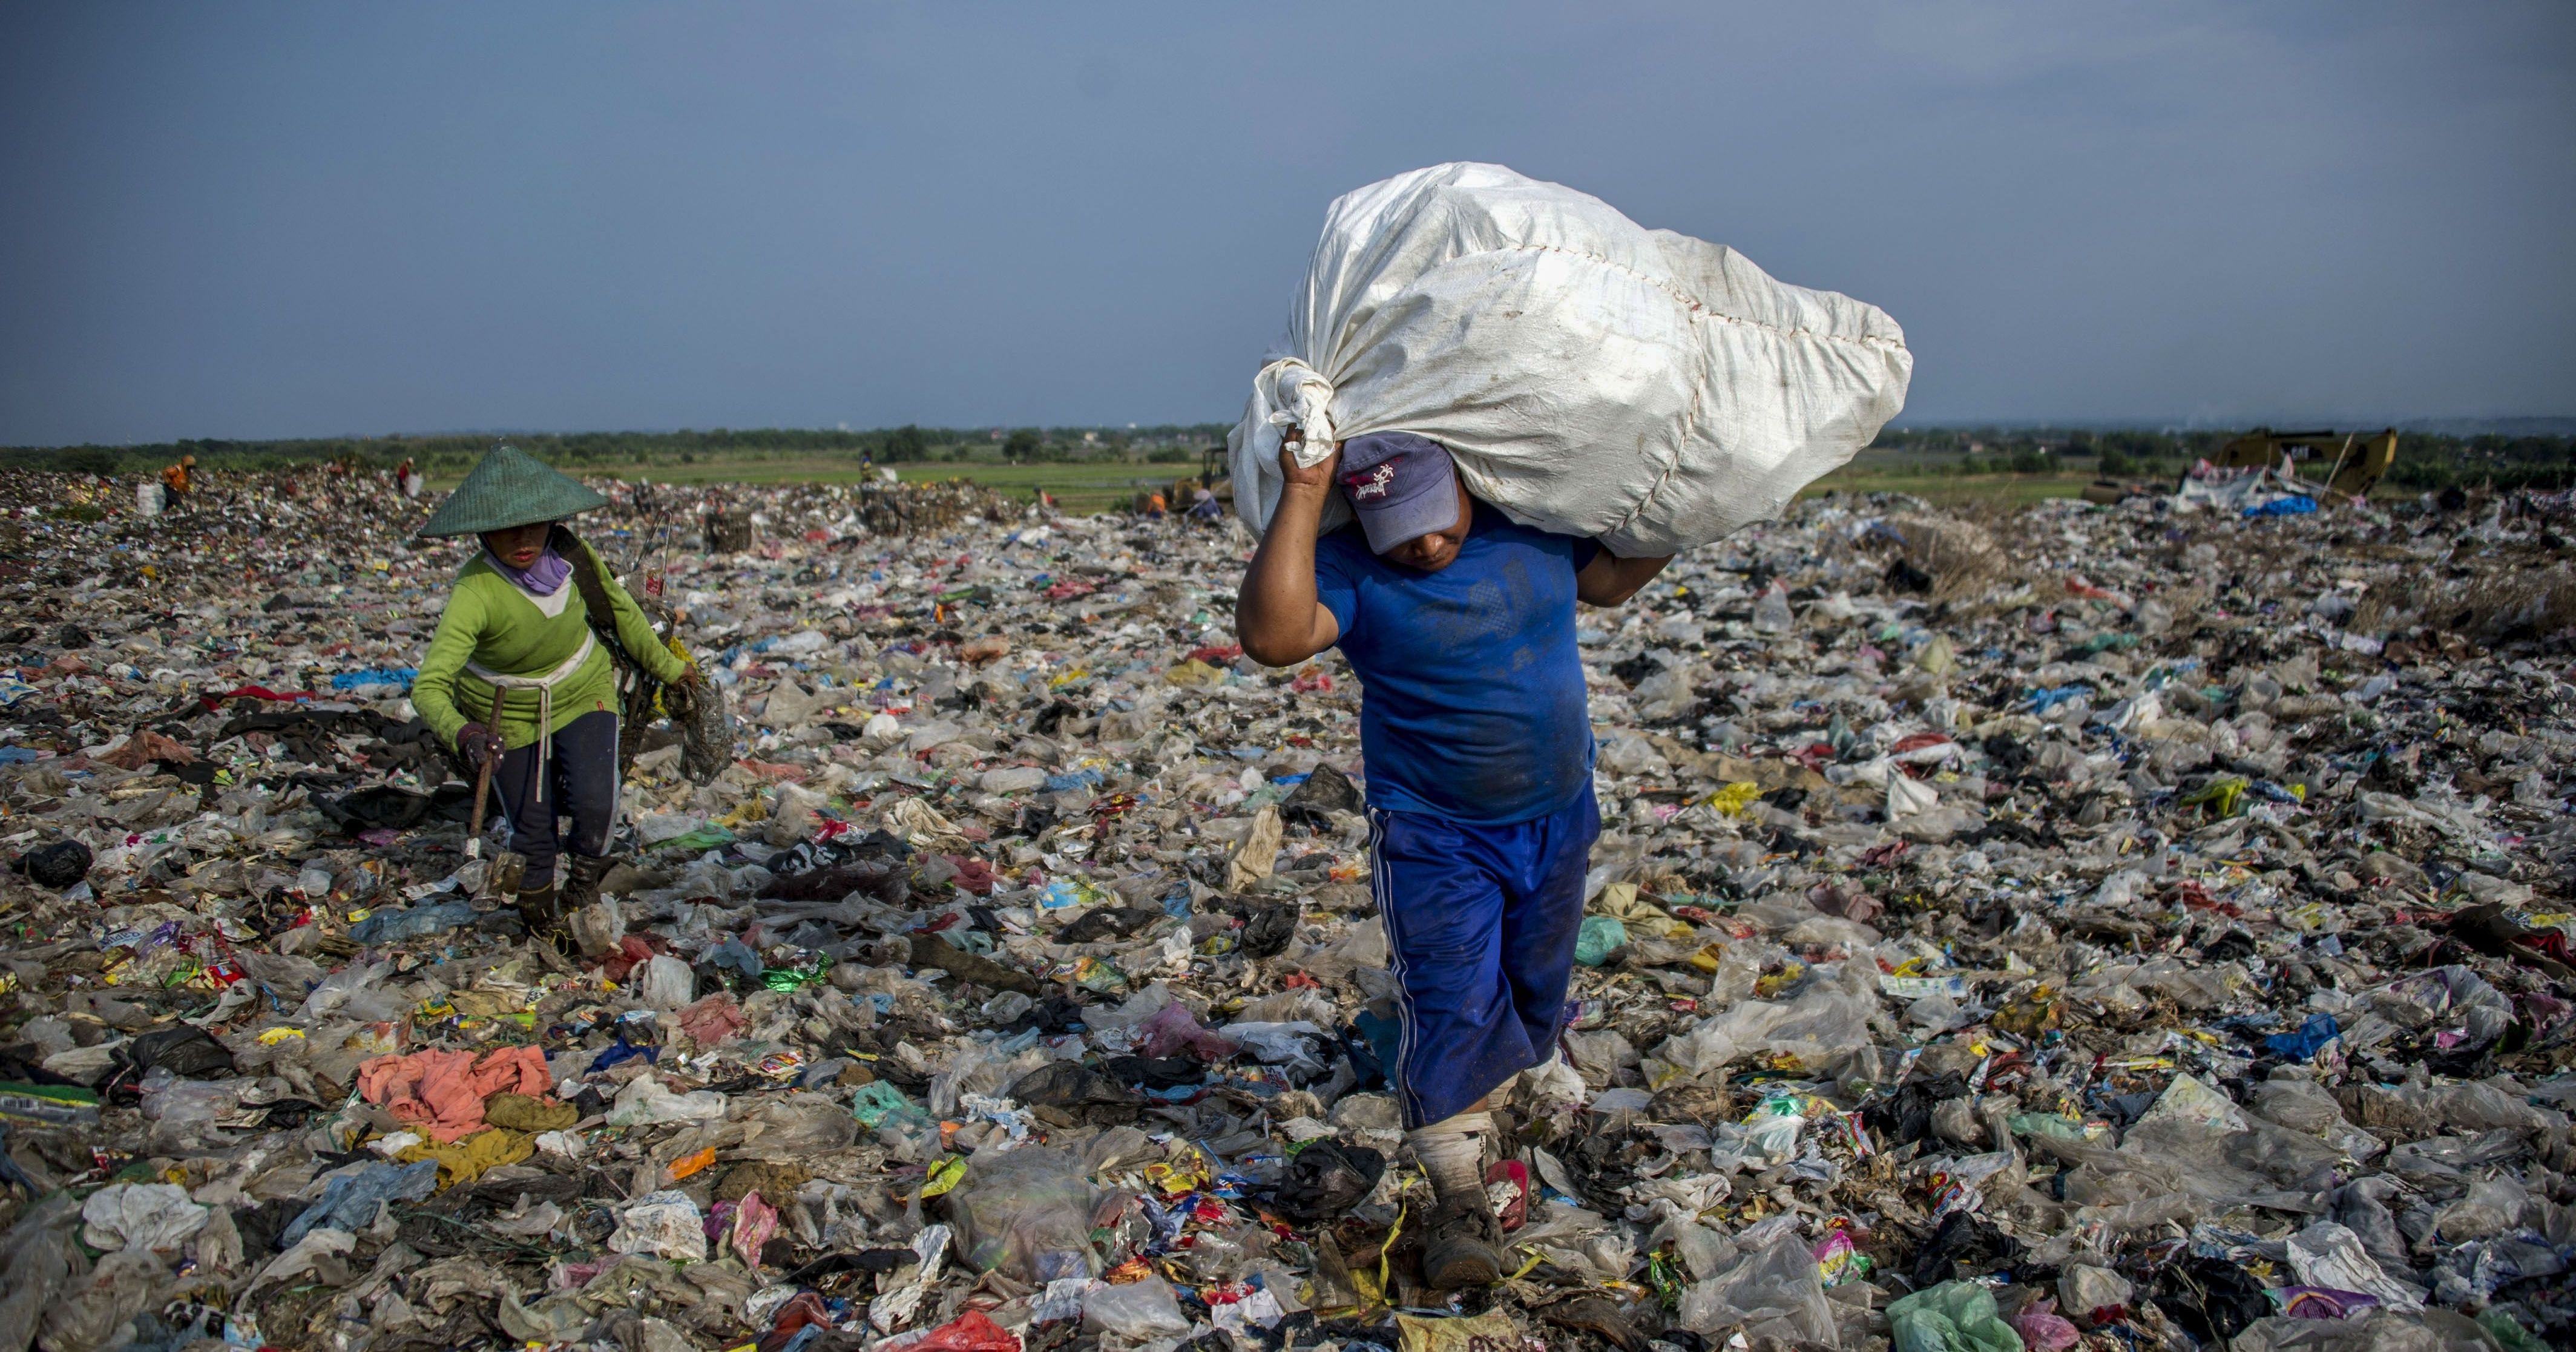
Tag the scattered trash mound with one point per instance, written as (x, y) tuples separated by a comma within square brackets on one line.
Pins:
[(1944, 558), (2097, 927)]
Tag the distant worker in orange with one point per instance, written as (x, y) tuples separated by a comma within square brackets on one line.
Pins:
[(177, 481), (1155, 506)]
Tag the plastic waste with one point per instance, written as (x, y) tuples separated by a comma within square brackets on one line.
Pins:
[(2218, 911), (1776, 1284), (1951, 1317), (155, 1217), (1026, 1213), (664, 1224), (1138, 1311), (646, 1102), (59, 865), (1598, 938), (418, 922)]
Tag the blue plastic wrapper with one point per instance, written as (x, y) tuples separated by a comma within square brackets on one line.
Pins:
[(2297, 505), (392, 927), (349, 1200), (2041, 701), (398, 677), (623, 1050), (2304, 1044)]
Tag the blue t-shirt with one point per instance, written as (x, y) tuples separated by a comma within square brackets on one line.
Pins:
[(1473, 707)]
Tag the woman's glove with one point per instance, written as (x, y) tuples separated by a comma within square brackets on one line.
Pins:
[(478, 745)]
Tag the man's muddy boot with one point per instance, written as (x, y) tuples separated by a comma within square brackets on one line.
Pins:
[(542, 912), (1463, 1247), (581, 881)]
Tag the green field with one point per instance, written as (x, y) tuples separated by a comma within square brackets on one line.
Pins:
[(2018, 490), (1093, 486), (1080, 487)]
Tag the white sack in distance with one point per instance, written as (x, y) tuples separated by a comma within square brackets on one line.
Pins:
[(1592, 377)]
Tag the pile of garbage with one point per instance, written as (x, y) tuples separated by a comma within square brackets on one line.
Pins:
[(2103, 927)]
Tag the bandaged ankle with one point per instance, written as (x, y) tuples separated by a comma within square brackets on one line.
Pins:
[(1452, 1153)]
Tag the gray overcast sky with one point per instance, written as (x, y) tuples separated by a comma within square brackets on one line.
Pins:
[(281, 219)]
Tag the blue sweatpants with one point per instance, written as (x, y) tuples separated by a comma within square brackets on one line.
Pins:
[(581, 783), (1481, 921)]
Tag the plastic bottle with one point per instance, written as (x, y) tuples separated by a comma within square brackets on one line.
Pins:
[(1771, 612)]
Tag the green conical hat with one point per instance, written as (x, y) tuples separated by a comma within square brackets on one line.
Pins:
[(510, 488)]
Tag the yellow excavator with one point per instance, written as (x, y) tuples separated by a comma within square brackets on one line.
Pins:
[(2347, 463)]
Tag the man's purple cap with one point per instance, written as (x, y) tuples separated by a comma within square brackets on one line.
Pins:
[(1400, 485)]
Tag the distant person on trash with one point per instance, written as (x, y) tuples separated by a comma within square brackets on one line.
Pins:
[(519, 674), (177, 481), (1478, 742)]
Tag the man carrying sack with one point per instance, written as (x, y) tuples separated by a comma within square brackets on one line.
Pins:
[(1478, 741)]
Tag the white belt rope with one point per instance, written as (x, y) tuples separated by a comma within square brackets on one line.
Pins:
[(545, 688)]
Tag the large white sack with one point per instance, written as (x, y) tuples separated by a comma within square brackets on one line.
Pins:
[(1591, 376)]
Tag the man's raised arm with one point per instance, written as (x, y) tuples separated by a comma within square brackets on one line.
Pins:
[(1277, 616)]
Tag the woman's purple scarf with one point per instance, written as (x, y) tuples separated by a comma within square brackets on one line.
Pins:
[(545, 577)]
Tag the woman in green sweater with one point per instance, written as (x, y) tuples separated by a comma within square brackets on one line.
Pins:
[(519, 674)]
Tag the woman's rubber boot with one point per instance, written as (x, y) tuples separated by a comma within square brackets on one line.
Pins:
[(541, 911), (1463, 1248), (581, 881)]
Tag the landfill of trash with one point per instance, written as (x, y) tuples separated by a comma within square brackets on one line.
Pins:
[(2116, 927)]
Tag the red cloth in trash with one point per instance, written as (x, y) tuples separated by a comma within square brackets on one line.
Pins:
[(633, 951), (791, 1319), (973, 875), (215, 700), (712, 1019), (442, 1093), (973, 1331)]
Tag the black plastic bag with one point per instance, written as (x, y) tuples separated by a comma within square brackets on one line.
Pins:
[(2212, 1298), (1267, 930), (186, 1051), (1964, 1237), (1325, 1180), (1069, 1094), (59, 865), (1906, 1115), (1327, 790)]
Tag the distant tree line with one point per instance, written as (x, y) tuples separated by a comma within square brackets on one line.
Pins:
[(2424, 460), (909, 444)]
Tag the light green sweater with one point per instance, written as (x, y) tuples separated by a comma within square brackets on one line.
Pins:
[(493, 624)]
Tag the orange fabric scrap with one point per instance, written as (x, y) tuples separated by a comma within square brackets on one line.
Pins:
[(442, 1093)]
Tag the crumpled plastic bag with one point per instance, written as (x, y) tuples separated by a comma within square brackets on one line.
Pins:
[(1818, 1025), (664, 1224), (350, 1198), (39, 1257), (1779, 1282), (1027, 1213), (2328, 1254), (1300, 1047), (645, 1102), (92, 1313), (1138, 1311), (1952, 1317), (154, 1217)]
